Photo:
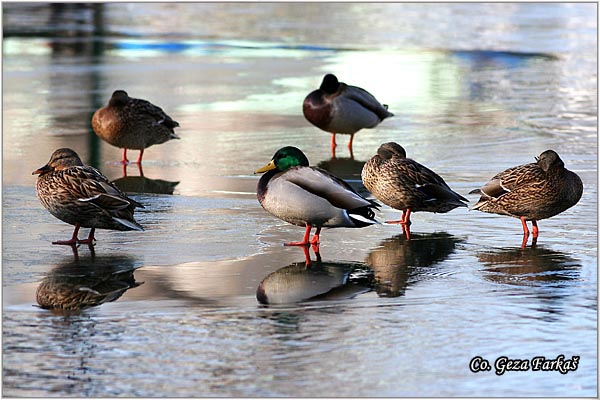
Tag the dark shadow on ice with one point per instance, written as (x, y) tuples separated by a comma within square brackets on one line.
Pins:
[(531, 266), (548, 273), (86, 282), (398, 262), (313, 281), (142, 184), (349, 170)]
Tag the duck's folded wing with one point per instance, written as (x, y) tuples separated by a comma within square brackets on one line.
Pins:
[(89, 185), (154, 112), (367, 100), (442, 193), (107, 202), (327, 186), (512, 178)]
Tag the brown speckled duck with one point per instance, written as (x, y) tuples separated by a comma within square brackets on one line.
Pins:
[(131, 123), (310, 196), (531, 192), (339, 108), (406, 185), (80, 195), (77, 292)]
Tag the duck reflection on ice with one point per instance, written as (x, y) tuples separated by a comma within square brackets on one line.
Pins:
[(349, 170), (530, 266), (141, 184), (86, 282), (545, 272), (312, 280), (398, 262)]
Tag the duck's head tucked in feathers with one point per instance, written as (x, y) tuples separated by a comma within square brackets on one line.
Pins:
[(549, 159), (119, 99), (60, 159), (388, 150), (330, 84)]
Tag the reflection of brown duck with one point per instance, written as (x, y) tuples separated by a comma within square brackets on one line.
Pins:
[(85, 283), (397, 261), (528, 266), (309, 280)]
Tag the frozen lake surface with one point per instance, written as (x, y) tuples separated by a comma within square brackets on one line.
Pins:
[(474, 88)]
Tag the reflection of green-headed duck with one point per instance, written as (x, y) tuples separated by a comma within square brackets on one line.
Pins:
[(133, 124), (80, 195), (309, 196), (339, 108), (406, 185), (531, 192)]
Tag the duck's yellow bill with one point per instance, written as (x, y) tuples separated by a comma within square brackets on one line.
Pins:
[(271, 165)]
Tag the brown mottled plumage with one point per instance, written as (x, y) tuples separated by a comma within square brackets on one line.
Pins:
[(78, 292), (406, 185), (133, 124), (339, 108), (531, 192), (80, 195)]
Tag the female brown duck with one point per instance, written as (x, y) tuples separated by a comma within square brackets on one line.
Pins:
[(406, 185), (133, 124), (80, 195), (531, 192)]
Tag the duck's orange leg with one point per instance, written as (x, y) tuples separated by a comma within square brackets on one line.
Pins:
[(406, 217), (73, 239), (139, 160), (406, 230), (304, 241), (124, 160), (534, 230), (526, 232), (333, 145), (315, 239), (350, 142), (404, 220), (90, 239)]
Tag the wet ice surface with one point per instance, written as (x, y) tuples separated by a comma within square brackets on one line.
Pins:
[(174, 310)]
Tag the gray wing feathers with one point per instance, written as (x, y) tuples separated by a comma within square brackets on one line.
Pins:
[(322, 184)]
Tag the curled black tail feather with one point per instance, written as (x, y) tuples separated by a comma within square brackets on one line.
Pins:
[(363, 216)]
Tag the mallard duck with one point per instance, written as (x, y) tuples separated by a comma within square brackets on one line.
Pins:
[(78, 292), (339, 108), (406, 185), (310, 196), (132, 124), (80, 195), (531, 192)]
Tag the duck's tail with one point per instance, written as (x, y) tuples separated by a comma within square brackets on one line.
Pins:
[(132, 225), (363, 216)]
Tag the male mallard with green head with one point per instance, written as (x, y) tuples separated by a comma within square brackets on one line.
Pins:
[(80, 195), (340, 108), (131, 123), (308, 196), (531, 192), (406, 185)]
